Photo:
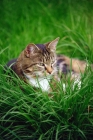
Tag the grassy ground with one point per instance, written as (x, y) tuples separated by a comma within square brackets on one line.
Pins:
[(30, 115)]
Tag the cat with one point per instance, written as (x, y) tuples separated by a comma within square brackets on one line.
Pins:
[(37, 64)]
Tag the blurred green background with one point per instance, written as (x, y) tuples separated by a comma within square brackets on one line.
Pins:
[(25, 21)]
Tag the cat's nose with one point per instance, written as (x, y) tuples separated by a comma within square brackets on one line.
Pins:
[(49, 69)]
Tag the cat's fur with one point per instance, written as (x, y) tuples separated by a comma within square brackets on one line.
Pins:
[(38, 63)]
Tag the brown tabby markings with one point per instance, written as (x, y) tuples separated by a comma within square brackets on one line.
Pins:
[(40, 61)]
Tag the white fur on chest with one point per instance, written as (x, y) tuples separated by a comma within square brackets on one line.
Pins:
[(40, 83)]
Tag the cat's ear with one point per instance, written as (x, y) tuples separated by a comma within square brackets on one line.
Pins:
[(52, 45), (31, 49)]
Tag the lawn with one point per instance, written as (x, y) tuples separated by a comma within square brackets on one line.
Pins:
[(30, 114)]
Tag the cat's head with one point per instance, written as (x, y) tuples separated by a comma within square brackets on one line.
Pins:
[(38, 60)]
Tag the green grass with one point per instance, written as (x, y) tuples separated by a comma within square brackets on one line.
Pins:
[(28, 114)]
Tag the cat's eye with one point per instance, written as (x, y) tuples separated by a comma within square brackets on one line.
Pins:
[(28, 71), (53, 63), (41, 64)]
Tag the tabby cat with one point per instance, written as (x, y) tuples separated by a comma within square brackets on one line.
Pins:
[(38, 63)]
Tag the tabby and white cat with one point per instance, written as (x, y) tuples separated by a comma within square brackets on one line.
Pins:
[(38, 63)]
